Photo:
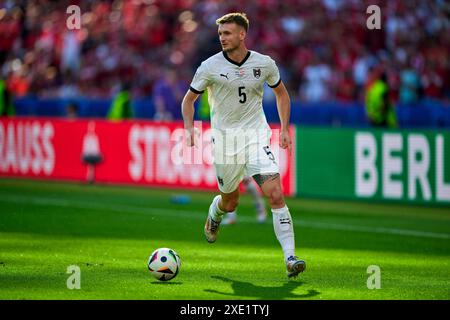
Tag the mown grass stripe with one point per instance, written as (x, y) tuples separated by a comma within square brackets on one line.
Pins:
[(120, 208)]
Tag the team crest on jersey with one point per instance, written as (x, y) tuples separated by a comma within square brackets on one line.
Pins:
[(257, 73)]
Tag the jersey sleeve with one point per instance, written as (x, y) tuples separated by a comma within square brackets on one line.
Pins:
[(201, 80), (273, 78)]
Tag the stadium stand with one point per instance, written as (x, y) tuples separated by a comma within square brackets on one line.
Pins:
[(323, 49)]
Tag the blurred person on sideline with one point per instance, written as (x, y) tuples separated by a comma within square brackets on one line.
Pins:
[(203, 109), (379, 108), (6, 99), (121, 106), (72, 110), (91, 154), (168, 93)]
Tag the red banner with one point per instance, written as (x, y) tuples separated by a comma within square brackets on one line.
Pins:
[(132, 152)]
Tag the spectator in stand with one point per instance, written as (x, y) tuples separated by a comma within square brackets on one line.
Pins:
[(432, 81), (409, 85), (317, 81), (345, 87), (69, 88), (19, 81), (132, 39), (361, 70), (71, 50)]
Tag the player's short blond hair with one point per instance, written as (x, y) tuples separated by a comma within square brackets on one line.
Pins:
[(235, 17)]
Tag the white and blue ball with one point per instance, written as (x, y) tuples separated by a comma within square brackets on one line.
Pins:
[(164, 264)]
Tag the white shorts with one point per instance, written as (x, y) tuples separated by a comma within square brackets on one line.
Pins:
[(254, 159)]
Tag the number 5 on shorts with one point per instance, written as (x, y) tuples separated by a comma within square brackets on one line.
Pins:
[(269, 153)]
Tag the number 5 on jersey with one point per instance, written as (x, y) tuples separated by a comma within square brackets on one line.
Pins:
[(242, 95)]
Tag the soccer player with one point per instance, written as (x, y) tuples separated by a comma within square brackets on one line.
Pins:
[(235, 79)]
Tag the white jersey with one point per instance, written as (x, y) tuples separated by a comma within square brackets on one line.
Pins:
[(235, 90)]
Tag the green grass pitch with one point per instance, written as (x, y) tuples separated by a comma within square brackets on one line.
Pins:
[(110, 231)]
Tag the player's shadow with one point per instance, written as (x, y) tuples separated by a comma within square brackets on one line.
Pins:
[(247, 289)]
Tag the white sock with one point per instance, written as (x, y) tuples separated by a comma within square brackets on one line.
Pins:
[(284, 230), (214, 211)]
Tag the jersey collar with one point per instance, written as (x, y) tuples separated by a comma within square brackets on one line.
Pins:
[(234, 62)]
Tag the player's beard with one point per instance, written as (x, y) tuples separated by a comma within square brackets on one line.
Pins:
[(230, 48)]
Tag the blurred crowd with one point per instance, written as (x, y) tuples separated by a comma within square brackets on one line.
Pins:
[(323, 48)]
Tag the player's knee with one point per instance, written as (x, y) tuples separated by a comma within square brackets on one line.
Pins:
[(230, 204), (276, 197)]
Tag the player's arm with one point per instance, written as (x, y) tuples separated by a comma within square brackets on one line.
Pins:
[(284, 112), (188, 110)]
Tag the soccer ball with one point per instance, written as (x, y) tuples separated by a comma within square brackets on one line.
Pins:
[(164, 264)]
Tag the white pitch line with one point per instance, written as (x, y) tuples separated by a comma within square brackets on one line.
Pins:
[(123, 209)]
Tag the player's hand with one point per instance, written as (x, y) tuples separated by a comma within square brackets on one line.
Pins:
[(192, 136), (285, 141)]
